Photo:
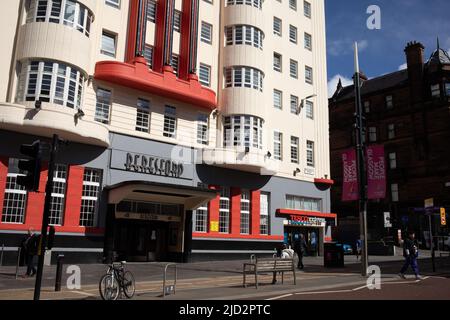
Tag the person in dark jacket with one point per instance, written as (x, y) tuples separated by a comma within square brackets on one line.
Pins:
[(300, 249), (31, 245), (411, 253)]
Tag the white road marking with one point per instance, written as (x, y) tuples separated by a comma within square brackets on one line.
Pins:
[(280, 297)]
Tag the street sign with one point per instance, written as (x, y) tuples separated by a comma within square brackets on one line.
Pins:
[(443, 218), (387, 220)]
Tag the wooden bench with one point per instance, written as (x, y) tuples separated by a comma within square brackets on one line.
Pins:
[(268, 265)]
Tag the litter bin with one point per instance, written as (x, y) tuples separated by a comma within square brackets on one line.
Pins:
[(333, 255)]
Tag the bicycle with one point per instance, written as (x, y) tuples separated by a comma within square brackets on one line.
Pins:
[(115, 281)]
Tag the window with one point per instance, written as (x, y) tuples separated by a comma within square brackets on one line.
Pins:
[(294, 149), (394, 192), (278, 145), (15, 196), (372, 134), (293, 4), (294, 104), (151, 11), (224, 210), (148, 55), (244, 34), (206, 32), (393, 160), (254, 3), (309, 110), (113, 3), (277, 62), (277, 99), (435, 91), (307, 9), (292, 34), (264, 214), (391, 131), (308, 75), (308, 41), (367, 106), (108, 44), (177, 21), (303, 203), (89, 198), (245, 212), (277, 25), (240, 129), (254, 77), (143, 115), (389, 102), (70, 13), (170, 122), (102, 106), (58, 195), (310, 153), (447, 89), (175, 61), (201, 219), (205, 74), (202, 129), (293, 69), (52, 82)]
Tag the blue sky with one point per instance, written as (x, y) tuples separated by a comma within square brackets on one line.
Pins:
[(381, 51)]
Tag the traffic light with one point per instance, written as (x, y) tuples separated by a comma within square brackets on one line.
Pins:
[(30, 167)]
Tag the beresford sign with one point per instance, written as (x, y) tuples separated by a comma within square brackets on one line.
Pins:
[(153, 165)]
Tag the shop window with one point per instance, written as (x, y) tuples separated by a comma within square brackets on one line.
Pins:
[(201, 219), (58, 198), (89, 198), (15, 196), (224, 210), (245, 212), (264, 214)]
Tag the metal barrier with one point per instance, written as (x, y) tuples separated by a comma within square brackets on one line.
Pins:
[(19, 250), (441, 244), (168, 289)]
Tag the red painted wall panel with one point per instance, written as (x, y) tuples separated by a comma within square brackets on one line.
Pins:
[(35, 202), (235, 213), (3, 176), (255, 202), (73, 196), (132, 30)]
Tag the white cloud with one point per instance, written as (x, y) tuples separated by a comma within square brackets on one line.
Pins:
[(403, 66), (345, 46), (332, 83)]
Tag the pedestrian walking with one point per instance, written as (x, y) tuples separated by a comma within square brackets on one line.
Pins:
[(358, 248), (31, 244), (300, 247), (411, 253)]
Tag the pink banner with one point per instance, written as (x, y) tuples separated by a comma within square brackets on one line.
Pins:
[(350, 176), (376, 172)]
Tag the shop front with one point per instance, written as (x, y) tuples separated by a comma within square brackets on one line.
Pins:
[(314, 226)]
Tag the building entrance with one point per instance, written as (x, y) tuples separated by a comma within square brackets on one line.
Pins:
[(292, 233)]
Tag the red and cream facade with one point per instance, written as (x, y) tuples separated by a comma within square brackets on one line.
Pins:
[(186, 136)]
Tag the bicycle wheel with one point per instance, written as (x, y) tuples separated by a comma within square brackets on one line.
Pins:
[(129, 287), (109, 287)]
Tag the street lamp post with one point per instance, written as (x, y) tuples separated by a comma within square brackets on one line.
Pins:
[(302, 102), (361, 168)]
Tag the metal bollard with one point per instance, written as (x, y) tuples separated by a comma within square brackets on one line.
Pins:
[(1, 257), (19, 250), (59, 267)]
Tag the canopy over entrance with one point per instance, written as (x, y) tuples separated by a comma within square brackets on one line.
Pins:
[(190, 197)]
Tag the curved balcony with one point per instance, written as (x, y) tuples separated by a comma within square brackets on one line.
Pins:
[(244, 55), (244, 14), (254, 160), (138, 76), (53, 41), (52, 119)]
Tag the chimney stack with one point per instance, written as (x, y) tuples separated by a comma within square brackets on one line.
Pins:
[(415, 61)]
